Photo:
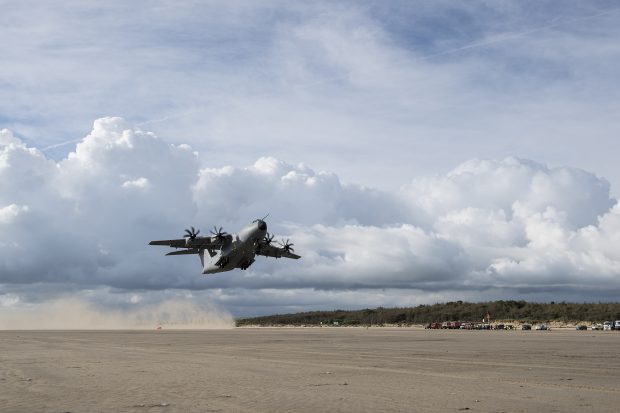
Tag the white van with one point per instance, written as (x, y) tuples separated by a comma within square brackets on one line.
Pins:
[(617, 325), (607, 325)]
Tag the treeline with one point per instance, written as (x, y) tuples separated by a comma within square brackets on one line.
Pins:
[(453, 311)]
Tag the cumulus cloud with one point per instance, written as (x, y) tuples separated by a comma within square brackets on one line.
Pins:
[(294, 193), (512, 227), (373, 81), (496, 185)]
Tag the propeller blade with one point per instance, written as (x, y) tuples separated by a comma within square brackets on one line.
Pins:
[(191, 233), (269, 238), (218, 233), (286, 245)]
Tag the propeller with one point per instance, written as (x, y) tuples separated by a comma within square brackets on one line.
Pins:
[(218, 233), (191, 234), (287, 245), (269, 239)]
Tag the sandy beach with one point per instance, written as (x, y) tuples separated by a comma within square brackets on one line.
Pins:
[(309, 370)]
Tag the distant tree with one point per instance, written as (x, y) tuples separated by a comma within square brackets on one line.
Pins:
[(451, 311)]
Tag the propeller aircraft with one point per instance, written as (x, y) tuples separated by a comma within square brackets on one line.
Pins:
[(224, 252)]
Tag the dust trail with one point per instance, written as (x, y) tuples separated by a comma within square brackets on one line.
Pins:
[(74, 314)]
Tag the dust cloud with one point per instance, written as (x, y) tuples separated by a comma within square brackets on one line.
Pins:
[(74, 314)]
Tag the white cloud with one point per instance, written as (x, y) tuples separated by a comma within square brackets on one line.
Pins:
[(379, 93), (7, 138), (499, 184), (10, 212), (507, 227), (391, 89), (140, 183), (290, 193)]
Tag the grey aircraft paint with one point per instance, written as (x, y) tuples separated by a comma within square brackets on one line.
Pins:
[(224, 252)]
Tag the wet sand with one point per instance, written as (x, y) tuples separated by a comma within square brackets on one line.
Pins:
[(310, 370)]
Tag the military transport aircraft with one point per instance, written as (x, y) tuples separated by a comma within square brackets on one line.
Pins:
[(226, 252)]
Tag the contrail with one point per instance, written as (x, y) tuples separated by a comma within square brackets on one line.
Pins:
[(58, 145), (511, 36), (498, 39)]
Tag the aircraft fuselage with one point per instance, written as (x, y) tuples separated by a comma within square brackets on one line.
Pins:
[(238, 253)]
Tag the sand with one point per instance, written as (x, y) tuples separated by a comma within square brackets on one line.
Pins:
[(310, 370)]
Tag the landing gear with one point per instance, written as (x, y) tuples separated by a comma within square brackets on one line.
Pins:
[(246, 264), (222, 262)]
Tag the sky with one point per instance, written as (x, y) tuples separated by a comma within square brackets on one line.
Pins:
[(415, 152)]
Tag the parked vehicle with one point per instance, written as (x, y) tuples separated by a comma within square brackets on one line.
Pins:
[(596, 327), (499, 327), (541, 327), (526, 327), (607, 326), (617, 325), (581, 328), (509, 327)]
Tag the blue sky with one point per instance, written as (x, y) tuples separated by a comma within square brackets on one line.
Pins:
[(384, 96), (488, 79)]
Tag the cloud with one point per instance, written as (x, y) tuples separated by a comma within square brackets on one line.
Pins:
[(275, 95), (393, 89), (498, 184), (284, 191), (510, 227), (10, 212)]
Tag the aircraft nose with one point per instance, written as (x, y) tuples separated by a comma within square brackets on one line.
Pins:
[(262, 225)]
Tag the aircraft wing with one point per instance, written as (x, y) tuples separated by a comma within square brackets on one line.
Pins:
[(275, 252), (211, 243), (177, 243)]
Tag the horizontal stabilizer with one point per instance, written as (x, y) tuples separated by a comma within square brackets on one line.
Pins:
[(184, 252)]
